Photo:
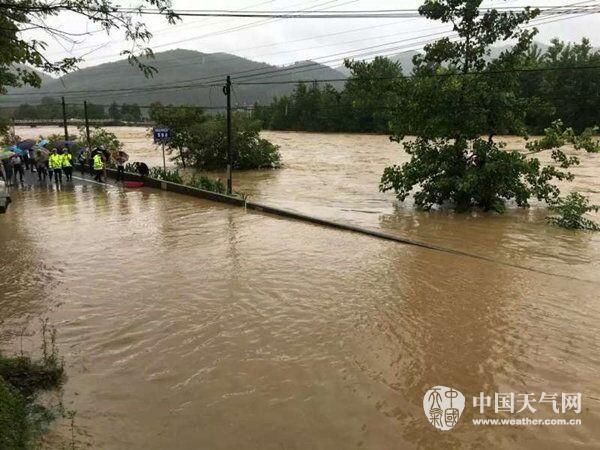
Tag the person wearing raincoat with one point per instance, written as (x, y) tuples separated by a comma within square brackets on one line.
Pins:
[(98, 164), (55, 166), (67, 166)]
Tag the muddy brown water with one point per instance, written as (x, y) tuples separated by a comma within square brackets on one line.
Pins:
[(191, 324)]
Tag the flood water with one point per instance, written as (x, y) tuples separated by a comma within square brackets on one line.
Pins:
[(191, 324)]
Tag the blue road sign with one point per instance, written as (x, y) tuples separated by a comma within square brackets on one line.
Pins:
[(162, 134)]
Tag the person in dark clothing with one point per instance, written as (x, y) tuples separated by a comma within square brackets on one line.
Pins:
[(82, 159), (41, 162), (142, 169), (17, 163), (8, 171), (121, 158)]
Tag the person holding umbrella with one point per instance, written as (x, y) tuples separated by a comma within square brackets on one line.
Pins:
[(5, 157), (41, 161), (121, 158), (17, 165)]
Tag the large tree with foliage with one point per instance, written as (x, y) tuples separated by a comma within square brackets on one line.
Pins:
[(21, 56), (456, 92), (180, 120), (208, 144)]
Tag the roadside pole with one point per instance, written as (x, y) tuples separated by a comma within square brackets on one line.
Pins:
[(162, 136), (64, 112), (87, 124), (227, 92)]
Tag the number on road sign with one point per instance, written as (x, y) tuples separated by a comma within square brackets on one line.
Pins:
[(162, 135)]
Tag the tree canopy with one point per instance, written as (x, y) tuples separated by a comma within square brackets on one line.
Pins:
[(20, 54)]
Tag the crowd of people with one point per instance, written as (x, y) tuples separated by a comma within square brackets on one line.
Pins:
[(53, 164)]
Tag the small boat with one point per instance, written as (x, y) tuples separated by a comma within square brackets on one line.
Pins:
[(133, 184)]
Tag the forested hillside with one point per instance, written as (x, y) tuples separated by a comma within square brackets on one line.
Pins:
[(176, 67)]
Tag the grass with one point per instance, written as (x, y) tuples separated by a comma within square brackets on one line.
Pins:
[(21, 379)]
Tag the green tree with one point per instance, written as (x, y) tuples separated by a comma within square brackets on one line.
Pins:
[(457, 92), (95, 111), (20, 53), (99, 137), (114, 111), (180, 120), (373, 90), (131, 113), (207, 145)]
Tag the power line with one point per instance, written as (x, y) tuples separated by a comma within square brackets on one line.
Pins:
[(296, 69), (364, 14), (277, 72)]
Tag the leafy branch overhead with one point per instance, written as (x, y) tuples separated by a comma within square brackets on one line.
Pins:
[(18, 17)]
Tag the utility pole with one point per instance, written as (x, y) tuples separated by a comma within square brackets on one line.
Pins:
[(87, 124), (227, 92), (64, 111)]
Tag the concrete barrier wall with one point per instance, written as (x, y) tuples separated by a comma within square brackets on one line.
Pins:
[(259, 207)]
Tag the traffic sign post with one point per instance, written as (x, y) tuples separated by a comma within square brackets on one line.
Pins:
[(162, 136)]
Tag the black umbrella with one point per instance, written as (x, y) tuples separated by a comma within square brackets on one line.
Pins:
[(26, 144), (63, 144)]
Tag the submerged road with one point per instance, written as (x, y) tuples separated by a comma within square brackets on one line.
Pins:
[(82, 179), (186, 323)]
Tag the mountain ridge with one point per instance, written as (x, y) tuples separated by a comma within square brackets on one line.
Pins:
[(176, 67)]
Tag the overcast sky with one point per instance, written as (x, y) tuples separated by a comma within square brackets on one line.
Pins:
[(284, 41)]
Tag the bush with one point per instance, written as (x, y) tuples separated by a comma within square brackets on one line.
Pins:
[(207, 147), (99, 137), (165, 175), (478, 174), (14, 429), (21, 378), (202, 182), (570, 213)]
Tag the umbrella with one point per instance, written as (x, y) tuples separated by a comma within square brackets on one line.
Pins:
[(17, 150), (41, 154), (122, 157), (5, 154), (26, 144), (63, 144)]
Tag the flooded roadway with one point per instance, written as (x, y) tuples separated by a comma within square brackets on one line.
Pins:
[(191, 324)]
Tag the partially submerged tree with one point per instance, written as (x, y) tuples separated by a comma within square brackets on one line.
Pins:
[(21, 54), (571, 212), (200, 140), (208, 145), (180, 120), (456, 92)]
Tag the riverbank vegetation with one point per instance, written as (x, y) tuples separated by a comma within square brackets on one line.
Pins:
[(50, 108), (173, 176), (22, 378), (456, 102), (558, 82), (457, 93), (200, 141)]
